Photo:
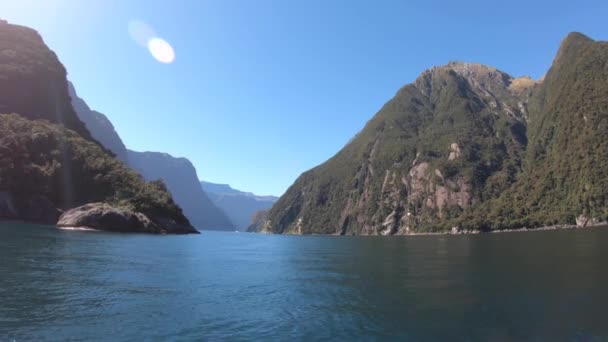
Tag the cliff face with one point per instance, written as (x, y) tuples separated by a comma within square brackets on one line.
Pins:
[(460, 147), (181, 179), (32, 80), (239, 206), (100, 127), (49, 162)]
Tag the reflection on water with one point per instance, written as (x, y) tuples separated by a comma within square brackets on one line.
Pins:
[(58, 285)]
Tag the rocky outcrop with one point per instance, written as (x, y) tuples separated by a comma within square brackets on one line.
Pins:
[(240, 206), (182, 181), (101, 216), (259, 224), (586, 221), (100, 127)]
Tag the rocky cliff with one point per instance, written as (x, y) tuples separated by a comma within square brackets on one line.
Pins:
[(182, 181), (99, 126), (467, 146), (33, 82), (239, 206)]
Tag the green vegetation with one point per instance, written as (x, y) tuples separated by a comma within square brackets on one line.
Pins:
[(469, 146), (39, 158), (566, 164)]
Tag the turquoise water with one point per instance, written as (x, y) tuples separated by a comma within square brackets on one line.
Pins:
[(60, 285)]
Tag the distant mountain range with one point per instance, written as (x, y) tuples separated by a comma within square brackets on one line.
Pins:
[(238, 205), (98, 124), (180, 176), (467, 147)]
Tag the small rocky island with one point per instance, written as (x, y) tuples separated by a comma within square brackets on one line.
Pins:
[(101, 216)]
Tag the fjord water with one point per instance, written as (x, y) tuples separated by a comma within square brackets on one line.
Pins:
[(68, 285)]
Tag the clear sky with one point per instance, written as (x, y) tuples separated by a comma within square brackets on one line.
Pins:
[(261, 91)]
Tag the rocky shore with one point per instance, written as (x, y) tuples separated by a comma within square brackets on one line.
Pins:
[(101, 216)]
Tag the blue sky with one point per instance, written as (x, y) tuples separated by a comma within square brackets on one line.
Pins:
[(261, 91)]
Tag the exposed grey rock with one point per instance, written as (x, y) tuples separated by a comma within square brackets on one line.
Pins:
[(259, 224), (586, 221), (102, 216)]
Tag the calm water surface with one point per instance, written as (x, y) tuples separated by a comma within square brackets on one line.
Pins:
[(59, 285)]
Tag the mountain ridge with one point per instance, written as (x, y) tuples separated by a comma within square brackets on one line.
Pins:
[(182, 181), (444, 152), (240, 206)]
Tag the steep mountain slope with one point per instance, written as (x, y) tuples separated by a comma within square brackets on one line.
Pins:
[(238, 205), (48, 160), (46, 168), (33, 81), (100, 127), (180, 176), (452, 149), (565, 176)]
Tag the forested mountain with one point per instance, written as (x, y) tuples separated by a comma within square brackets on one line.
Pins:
[(468, 147), (50, 163)]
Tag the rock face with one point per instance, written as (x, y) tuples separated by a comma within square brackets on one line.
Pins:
[(238, 205), (469, 147), (102, 216), (32, 80), (259, 222), (100, 127), (182, 181)]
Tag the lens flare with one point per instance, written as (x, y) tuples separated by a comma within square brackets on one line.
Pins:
[(141, 32), (161, 50)]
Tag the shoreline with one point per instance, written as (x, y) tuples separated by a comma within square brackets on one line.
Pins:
[(517, 230), (466, 232)]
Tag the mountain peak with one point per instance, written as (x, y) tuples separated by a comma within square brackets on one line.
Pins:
[(576, 37), (571, 44)]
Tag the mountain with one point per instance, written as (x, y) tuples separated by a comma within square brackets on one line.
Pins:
[(178, 173), (50, 164), (468, 147), (33, 81), (46, 168), (238, 205), (98, 124), (565, 173), (258, 222), (182, 181)]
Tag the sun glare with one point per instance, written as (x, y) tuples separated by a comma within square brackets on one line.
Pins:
[(161, 50), (145, 36)]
